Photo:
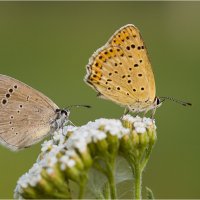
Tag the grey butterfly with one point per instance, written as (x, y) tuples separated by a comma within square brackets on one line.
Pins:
[(26, 115)]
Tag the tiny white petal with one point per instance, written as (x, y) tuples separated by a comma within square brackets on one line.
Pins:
[(52, 161), (71, 163), (34, 180), (98, 135), (56, 137), (49, 170), (67, 129), (64, 159), (135, 119), (140, 129), (62, 166), (23, 181), (139, 124), (70, 153), (46, 145), (81, 145)]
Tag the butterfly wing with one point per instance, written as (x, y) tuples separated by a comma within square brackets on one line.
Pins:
[(25, 114), (121, 70)]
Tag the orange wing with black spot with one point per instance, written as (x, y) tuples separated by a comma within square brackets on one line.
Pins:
[(121, 71)]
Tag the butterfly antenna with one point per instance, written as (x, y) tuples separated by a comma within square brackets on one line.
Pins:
[(162, 99), (71, 106)]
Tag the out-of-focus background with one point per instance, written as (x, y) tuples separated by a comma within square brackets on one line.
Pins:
[(48, 44)]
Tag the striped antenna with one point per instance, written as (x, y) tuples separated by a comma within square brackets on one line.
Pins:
[(162, 99), (77, 106)]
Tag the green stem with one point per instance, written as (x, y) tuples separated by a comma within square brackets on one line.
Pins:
[(59, 196), (81, 191), (112, 189), (111, 179), (138, 181), (109, 172), (82, 186), (106, 192), (147, 156), (98, 167)]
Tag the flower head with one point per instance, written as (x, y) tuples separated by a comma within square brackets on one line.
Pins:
[(72, 151)]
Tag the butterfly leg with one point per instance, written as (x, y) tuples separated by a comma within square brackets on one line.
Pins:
[(70, 123), (145, 112), (62, 129), (153, 113), (126, 111)]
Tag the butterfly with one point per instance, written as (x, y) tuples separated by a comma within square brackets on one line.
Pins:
[(27, 115), (121, 71)]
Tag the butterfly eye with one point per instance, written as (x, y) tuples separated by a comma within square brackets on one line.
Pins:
[(57, 110), (66, 112), (157, 101)]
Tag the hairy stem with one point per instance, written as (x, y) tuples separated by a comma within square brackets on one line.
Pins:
[(138, 181), (111, 179)]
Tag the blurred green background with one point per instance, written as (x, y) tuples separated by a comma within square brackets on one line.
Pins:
[(48, 44)]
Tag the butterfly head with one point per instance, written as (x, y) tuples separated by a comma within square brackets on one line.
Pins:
[(65, 112), (62, 116), (62, 113), (153, 106)]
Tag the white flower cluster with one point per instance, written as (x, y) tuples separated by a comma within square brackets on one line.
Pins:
[(95, 131), (81, 137), (68, 145), (47, 159), (32, 177), (140, 124), (66, 160)]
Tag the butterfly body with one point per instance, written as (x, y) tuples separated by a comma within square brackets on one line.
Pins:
[(121, 71), (26, 115)]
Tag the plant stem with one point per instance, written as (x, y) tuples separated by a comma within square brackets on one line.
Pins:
[(148, 153), (81, 191), (138, 181), (111, 179), (112, 188), (82, 186)]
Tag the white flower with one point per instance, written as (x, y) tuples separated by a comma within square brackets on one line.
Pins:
[(131, 119), (97, 135), (140, 129), (56, 137), (140, 124), (71, 163), (49, 170), (66, 161), (67, 129), (34, 179), (17, 192), (31, 178), (95, 131), (23, 181), (46, 145)]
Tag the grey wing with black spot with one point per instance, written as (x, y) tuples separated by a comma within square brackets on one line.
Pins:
[(25, 114)]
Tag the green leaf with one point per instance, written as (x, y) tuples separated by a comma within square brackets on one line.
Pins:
[(149, 193)]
